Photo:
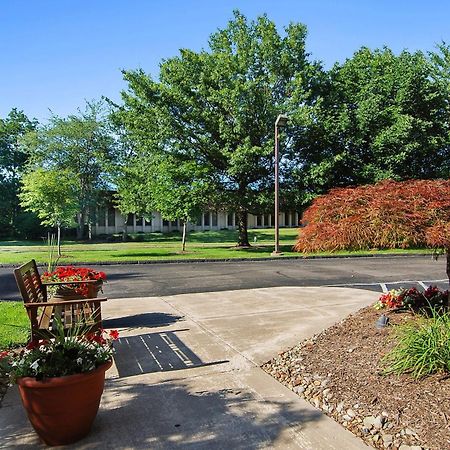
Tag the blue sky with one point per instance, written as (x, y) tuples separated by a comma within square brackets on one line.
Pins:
[(56, 53)]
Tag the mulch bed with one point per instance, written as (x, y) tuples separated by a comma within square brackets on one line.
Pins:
[(339, 372)]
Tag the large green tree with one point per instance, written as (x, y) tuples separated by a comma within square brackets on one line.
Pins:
[(12, 162), (216, 108), (381, 116), (82, 143)]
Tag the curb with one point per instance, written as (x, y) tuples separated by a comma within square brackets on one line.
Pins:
[(230, 260)]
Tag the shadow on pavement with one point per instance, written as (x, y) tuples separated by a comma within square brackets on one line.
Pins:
[(154, 352), (142, 320)]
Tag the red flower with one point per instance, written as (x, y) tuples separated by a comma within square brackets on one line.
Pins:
[(3, 354), (114, 334), (32, 345)]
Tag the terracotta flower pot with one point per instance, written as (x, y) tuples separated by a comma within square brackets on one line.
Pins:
[(62, 410)]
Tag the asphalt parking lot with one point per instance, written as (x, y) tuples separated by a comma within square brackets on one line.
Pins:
[(373, 273)]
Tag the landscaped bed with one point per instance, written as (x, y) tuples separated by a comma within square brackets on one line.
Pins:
[(340, 372)]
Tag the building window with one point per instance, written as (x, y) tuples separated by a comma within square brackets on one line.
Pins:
[(148, 222), (199, 221), (139, 221), (206, 219), (272, 220), (230, 220), (111, 217), (101, 217), (214, 219), (259, 221), (286, 220), (266, 220), (165, 223), (130, 220)]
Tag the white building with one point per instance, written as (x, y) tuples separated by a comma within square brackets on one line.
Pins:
[(110, 221)]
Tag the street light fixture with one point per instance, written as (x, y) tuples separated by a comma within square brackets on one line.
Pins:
[(281, 121)]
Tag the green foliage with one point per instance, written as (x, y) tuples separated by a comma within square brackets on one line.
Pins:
[(381, 116), (422, 348), (52, 195), (81, 143), (12, 162), (215, 109)]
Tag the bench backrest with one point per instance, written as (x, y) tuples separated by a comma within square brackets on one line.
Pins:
[(29, 283)]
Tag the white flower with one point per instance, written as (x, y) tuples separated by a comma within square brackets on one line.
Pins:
[(79, 361), (35, 365)]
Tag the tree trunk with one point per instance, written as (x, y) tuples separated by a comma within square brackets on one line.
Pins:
[(448, 264), (59, 241), (80, 229), (242, 217), (183, 240)]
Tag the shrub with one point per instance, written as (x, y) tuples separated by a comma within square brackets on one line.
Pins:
[(388, 214), (422, 348)]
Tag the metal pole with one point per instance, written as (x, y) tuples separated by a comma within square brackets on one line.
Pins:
[(277, 227)]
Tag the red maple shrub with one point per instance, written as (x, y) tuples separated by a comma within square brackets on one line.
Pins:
[(389, 214)]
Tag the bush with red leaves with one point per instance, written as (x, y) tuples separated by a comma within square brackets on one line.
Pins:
[(386, 215)]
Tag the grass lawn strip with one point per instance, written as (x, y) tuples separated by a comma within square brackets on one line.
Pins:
[(157, 246), (339, 372), (14, 331)]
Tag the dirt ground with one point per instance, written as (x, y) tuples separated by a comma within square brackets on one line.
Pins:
[(339, 371)]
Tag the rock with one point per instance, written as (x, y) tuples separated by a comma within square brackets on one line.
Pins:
[(368, 422), (378, 422), (410, 447), (317, 383), (316, 402), (347, 418), (356, 405), (299, 389), (410, 432), (340, 407), (365, 430), (326, 392), (387, 440), (385, 414), (351, 413), (376, 438)]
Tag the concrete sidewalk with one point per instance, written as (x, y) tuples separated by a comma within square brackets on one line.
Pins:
[(187, 374)]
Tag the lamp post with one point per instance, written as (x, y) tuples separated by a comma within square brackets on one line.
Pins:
[(281, 121)]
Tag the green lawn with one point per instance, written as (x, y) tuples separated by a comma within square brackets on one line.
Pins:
[(14, 324), (157, 246)]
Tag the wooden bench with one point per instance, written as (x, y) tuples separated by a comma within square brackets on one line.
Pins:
[(76, 316)]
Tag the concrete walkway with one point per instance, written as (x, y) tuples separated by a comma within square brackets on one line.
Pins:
[(187, 376)]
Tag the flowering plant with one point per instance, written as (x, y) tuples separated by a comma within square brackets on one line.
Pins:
[(71, 273), (432, 297), (59, 356)]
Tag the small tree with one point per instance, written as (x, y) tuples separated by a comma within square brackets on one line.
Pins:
[(176, 190), (389, 214), (82, 142), (52, 195)]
